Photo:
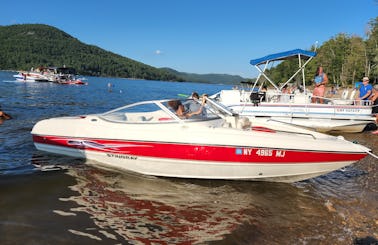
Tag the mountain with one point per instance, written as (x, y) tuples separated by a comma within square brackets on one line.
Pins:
[(207, 78), (33, 45)]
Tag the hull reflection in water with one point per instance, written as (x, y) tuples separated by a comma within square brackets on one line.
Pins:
[(150, 210)]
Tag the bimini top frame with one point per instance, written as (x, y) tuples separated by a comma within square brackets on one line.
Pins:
[(261, 64)]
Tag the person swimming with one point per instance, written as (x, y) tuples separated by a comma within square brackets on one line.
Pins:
[(4, 115)]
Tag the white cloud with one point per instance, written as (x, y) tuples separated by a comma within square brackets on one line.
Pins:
[(158, 52)]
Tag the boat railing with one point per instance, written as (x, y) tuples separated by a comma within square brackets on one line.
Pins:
[(289, 99), (341, 101), (305, 98)]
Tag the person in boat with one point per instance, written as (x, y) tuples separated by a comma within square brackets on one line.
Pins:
[(180, 111), (285, 96), (332, 92), (366, 90), (374, 100), (263, 91), (195, 108), (178, 108), (320, 79)]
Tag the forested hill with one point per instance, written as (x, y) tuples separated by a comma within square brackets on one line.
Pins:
[(207, 78), (32, 45)]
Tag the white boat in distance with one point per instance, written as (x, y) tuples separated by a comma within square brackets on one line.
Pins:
[(341, 114), (61, 75), (30, 76), (149, 138)]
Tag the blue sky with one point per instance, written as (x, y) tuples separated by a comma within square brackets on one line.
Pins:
[(197, 36)]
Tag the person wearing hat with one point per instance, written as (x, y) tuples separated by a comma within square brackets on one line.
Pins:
[(365, 89)]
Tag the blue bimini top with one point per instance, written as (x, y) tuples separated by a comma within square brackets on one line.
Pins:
[(283, 56)]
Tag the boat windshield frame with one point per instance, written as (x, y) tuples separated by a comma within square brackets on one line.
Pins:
[(214, 109)]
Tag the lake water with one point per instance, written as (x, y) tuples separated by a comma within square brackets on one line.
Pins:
[(49, 199)]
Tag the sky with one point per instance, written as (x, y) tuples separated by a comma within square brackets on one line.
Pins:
[(197, 36)]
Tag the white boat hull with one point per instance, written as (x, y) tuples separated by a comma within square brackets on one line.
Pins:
[(288, 172), (319, 117), (319, 125)]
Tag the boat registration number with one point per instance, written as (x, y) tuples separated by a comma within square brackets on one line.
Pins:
[(121, 156), (263, 152)]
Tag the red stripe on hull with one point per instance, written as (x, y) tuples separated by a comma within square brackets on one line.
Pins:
[(198, 152)]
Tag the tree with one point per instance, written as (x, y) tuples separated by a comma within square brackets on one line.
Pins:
[(355, 64), (372, 49)]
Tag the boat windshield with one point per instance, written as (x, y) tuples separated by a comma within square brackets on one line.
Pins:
[(164, 111)]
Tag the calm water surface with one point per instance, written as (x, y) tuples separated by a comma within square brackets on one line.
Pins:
[(48, 199)]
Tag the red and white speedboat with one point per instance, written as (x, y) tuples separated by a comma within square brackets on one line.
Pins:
[(148, 138), (72, 82)]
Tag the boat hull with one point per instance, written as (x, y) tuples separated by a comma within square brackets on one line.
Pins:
[(200, 161), (319, 125), (319, 117), (148, 138)]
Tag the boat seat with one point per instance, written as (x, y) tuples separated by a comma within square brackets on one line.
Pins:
[(352, 95), (345, 94), (134, 117), (144, 119), (116, 117)]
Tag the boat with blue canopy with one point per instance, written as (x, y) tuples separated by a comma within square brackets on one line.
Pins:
[(290, 101)]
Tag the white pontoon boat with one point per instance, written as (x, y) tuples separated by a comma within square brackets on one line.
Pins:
[(337, 114)]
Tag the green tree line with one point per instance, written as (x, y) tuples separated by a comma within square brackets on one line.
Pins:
[(345, 58)]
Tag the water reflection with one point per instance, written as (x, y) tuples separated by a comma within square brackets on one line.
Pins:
[(148, 210)]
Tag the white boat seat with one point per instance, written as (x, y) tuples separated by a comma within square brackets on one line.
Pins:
[(352, 95), (144, 119), (116, 117), (345, 94)]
